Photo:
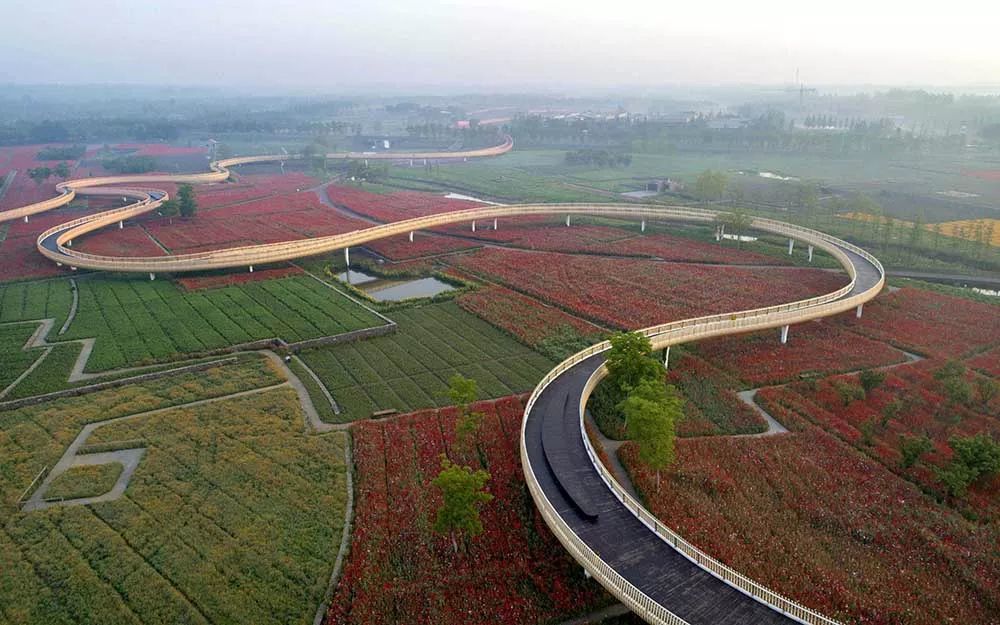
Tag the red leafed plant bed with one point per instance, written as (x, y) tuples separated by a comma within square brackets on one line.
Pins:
[(760, 358), (195, 283), (251, 187), (811, 518), (522, 316), (422, 246), (929, 323), (630, 294), (389, 207), (921, 407), (400, 571), (130, 241)]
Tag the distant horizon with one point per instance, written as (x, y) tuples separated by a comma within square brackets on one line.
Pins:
[(500, 44)]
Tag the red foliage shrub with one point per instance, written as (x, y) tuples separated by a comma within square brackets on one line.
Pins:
[(399, 570), (929, 323), (630, 294), (522, 316), (812, 519), (817, 347)]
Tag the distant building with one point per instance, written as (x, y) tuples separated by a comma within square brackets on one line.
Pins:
[(663, 185)]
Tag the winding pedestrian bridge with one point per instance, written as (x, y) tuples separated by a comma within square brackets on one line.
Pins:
[(638, 558)]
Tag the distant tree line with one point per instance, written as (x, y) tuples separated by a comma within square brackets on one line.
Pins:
[(598, 158), (130, 164)]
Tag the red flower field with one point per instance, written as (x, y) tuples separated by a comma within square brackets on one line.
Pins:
[(399, 570), (929, 323), (811, 518), (818, 347), (523, 317), (130, 241), (923, 410), (630, 294)]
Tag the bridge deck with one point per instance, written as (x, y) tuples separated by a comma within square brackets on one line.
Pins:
[(616, 535)]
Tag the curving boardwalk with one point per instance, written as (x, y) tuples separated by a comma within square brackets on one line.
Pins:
[(640, 560)]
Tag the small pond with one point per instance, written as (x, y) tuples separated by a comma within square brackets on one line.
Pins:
[(390, 290)]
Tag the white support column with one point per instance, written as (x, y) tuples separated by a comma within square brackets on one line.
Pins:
[(473, 226), (69, 243), (347, 257), (411, 236), (251, 268), (720, 232), (366, 162), (810, 253), (791, 246), (58, 264), (666, 357), (494, 223), (425, 161), (152, 276), (25, 219), (121, 224), (567, 221), (784, 334), (411, 162), (857, 313), (642, 226), (73, 268)]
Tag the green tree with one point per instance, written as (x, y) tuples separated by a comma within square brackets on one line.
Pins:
[(462, 391), (973, 457), (652, 411), (630, 361), (39, 174), (462, 493), (62, 170), (710, 185), (987, 389), (912, 447), (737, 223), (186, 203), (169, 208), (871, 379)]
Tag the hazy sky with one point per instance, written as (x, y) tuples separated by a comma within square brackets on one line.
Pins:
[(330, 44)]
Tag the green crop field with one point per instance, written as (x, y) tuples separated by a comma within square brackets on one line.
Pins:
[(13, 359), (233, 515), (139, 322), (27, 301), (410, 369)]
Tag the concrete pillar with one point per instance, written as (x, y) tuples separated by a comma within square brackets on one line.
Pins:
[(857, 312), (25, 219), (411, 236), (121, 224), (784, 334), (411, 162), (642, 226), (152, 276), (366, 162), (810, 253), (567, 220), (251, 268), (494, 223), (69, 243), (791, 246), (719, 232), (425, 161), (473, 226), (347, 257), (666, 357)]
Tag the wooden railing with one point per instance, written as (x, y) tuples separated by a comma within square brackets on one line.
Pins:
[(673, 333)]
